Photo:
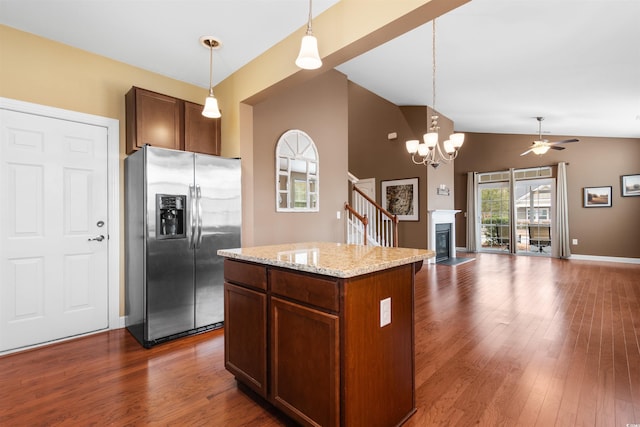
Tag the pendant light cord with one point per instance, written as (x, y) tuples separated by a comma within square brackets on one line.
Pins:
[(434, 117), (211, 68), (433, 50), (309, 31)]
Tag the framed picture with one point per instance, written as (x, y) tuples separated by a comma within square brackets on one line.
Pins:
[(400, 197), (597, 197), (630, 185)]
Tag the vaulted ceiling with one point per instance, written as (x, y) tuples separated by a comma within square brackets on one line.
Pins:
[(499, 63)]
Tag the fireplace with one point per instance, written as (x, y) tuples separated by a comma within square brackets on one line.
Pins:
[(442, 226), (443, 241)]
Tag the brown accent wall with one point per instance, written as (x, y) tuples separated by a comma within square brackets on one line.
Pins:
[(373, 155), (318, 107), (593, 162)]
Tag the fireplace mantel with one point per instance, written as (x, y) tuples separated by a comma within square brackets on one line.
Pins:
[(442, 216)]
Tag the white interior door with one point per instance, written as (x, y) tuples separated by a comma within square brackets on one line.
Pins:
[(53, 276), (368, 187)]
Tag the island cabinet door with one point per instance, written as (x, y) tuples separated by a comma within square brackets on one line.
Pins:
[(305, 376), (245, 338)]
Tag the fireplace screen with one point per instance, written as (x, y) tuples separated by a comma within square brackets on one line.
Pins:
[(443, 240)]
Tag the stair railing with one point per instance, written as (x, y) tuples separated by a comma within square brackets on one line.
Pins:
[(381, 228), (356, 226)]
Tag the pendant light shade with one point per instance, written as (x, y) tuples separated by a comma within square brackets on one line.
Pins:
[(211, 109), (309, 58)]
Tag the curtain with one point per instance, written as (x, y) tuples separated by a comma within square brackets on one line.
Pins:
[(512, 211), (561, 238), (472, 211)]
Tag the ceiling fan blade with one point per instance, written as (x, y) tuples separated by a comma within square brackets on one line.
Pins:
[(527, 152), (565, 141), (554, 147)]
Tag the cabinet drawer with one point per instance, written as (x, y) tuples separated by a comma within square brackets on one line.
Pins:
[(322, 293), (247, 274)]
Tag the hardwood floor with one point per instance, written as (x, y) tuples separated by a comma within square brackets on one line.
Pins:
[(500, 341)]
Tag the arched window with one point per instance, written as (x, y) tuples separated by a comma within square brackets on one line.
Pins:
[(297, 173)]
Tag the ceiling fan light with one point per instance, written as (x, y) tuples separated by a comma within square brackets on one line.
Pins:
[(309, 58), (211, 109), (540, 149), (412, 146)]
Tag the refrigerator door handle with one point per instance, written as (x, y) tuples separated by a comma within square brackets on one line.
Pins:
[(192, 217), (199, 213)]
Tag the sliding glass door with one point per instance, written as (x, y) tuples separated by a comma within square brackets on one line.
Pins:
[(534, 204), (516, 210), (493, 202)]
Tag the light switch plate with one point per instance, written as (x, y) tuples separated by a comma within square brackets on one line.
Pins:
[(385, 312)]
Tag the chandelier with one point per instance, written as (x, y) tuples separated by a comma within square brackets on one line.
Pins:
[(429, 152)]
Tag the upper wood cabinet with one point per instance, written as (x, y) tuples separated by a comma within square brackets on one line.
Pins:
[(164, 121), (201, 134)]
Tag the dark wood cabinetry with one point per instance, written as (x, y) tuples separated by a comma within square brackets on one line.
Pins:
[(305, 362), (328, 361), (154, 119), (245, 308), (164, 121), (246, 353), (201, 134)]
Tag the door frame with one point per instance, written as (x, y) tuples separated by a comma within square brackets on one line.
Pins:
[(113, 189)]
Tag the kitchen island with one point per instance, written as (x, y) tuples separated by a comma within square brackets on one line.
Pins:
[(324, 331)]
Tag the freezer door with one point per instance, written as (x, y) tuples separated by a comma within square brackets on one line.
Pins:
[(170, 260), (219, 204)]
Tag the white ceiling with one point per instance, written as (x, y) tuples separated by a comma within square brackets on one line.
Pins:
[(500, 63)]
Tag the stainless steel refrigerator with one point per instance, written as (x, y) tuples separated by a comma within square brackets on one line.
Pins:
[(180, 208)]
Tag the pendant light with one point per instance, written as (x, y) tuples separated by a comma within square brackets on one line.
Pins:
[(211, 109), (309, 58)]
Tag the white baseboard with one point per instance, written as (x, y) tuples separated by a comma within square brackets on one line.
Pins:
[(579, 257)]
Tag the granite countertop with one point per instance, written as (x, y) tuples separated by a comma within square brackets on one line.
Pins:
[(331, 259)]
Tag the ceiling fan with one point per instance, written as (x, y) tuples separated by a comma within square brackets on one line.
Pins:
[(541, 146)]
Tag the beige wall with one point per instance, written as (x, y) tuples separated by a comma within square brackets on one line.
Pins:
[(319, 108), (44, 72), (37, 70), (593, 162)]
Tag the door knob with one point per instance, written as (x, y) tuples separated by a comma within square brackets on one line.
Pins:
[(100, 238)]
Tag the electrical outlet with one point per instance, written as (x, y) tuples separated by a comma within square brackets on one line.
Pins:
[(574, 242), (385, 312), (337, 214)]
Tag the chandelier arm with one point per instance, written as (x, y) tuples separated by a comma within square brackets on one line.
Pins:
[(413, 159)]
